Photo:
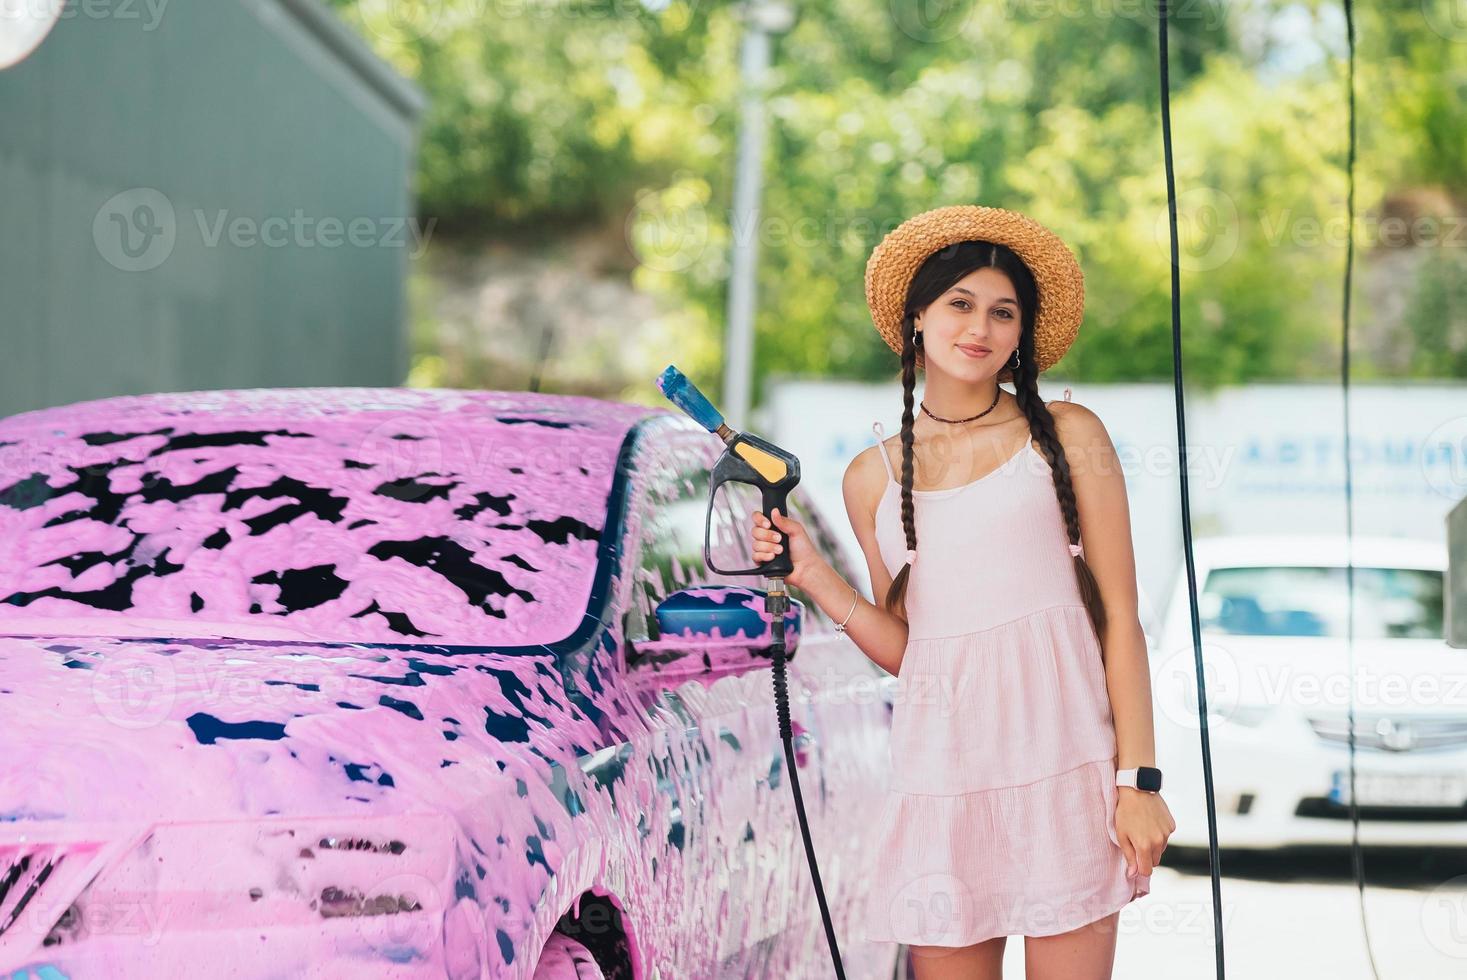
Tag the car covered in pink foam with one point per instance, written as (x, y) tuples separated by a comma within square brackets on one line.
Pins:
[(392, 682)]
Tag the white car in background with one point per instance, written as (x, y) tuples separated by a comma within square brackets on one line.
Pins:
[(1273, 612)]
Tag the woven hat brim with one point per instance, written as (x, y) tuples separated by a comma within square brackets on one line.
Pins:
[(1056, 271)]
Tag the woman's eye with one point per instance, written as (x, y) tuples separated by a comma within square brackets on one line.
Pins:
[(1006, 314), (961, 302)]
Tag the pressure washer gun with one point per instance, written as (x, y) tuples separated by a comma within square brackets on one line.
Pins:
[(774, 471)]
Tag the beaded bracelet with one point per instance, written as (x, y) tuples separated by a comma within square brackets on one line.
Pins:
[(855, 601)]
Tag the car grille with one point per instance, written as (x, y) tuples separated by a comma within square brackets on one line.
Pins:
[(1394, 733), (1325, 808)]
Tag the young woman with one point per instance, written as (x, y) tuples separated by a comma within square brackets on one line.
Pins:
[(1024, 798)]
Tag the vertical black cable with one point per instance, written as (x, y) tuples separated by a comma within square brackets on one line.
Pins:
[(1357, 858), (1171, 205)]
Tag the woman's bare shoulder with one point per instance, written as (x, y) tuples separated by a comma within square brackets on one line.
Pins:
[(1078, 427), (864, 482)]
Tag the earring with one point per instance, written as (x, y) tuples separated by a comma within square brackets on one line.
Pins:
[(917, 337), (1016, 359)]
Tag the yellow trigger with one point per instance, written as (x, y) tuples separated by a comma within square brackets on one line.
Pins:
[(772, 468)]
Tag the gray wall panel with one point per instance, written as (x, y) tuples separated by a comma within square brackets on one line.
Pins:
[(253, 109)]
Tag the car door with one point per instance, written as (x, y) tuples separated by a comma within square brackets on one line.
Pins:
[(723, 830), (840, 701)]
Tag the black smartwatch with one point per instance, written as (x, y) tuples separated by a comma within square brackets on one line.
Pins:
[(1145, 778)]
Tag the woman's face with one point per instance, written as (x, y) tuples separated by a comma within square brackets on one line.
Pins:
[(972, 330)]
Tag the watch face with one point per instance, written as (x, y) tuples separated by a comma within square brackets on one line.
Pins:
[(1149, 779)]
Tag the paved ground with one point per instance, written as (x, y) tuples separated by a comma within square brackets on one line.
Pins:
[(1296, 917)]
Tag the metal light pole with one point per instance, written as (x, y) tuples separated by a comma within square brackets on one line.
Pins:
[(762, 18)]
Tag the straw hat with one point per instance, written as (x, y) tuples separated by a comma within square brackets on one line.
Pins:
[(1057, 274)]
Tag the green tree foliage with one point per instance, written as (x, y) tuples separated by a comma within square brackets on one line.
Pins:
[(547, 115)]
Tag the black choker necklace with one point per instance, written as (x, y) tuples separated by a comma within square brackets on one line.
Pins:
[(996, 391)]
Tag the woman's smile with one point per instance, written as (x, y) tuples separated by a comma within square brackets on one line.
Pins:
[(974, 350)]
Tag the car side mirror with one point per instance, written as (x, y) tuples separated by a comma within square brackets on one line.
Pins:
[(714, 629)]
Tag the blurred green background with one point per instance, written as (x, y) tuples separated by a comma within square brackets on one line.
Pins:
[(578, 160), (568, 167)]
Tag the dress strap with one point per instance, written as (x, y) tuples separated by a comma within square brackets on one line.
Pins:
[(881, 450)]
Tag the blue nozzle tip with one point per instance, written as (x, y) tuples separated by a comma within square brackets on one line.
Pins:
[(686, 396)]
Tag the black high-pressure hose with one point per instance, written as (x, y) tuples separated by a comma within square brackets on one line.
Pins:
[(1177, 387), (1357, 861), (776, 603), (1357, 857)]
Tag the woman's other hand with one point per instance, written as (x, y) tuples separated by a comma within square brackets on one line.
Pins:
[(1143, 825)]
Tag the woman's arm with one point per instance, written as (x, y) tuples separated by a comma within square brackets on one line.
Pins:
[(881, 635), (1105, 530)]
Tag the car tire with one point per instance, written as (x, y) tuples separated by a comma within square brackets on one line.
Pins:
[(565, 959)]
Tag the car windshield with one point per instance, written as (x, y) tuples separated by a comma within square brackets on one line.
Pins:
[(331, 515), (1313, 601)]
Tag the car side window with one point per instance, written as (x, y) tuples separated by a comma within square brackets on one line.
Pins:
[(670, 542), (670, 549), (672, 513)]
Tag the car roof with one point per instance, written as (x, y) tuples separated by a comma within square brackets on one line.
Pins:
[(1381, 551), (319, 402)]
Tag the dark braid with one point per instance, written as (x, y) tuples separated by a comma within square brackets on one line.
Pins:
[(937, 273), (896, 596), (1041, 424)]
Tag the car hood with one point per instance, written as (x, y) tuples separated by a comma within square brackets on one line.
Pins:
[(153, 730)]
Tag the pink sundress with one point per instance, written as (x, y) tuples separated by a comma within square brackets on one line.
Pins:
[(1000, 815)]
